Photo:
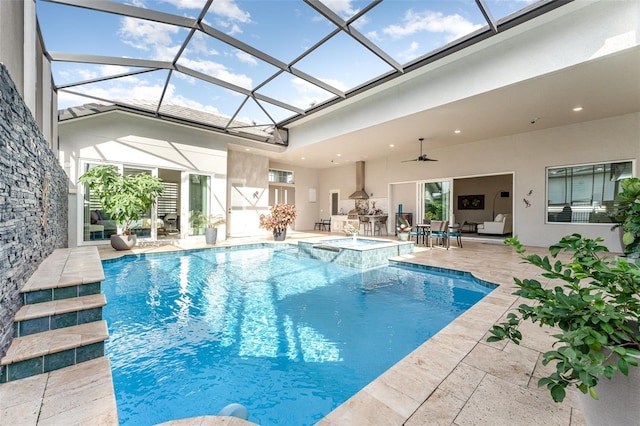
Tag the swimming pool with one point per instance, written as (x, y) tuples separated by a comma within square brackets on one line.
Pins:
[(290, 338)]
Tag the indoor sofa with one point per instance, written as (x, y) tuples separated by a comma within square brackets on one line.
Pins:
[(501, 225)]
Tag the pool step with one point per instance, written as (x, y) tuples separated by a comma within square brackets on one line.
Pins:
[(54, 349), (64, 274), (60, 323), (45, 316)]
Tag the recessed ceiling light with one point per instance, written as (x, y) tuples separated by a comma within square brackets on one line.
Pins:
[(391, 145), (339, 155), (247, 149), (456, 131), (578, 108), (302, 158)]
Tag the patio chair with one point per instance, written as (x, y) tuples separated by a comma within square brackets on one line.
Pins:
[(456, 232), (171, 221), (440, 231), (418, 233)]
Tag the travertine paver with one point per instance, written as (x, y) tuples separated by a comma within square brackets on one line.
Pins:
[(20, 400), (80, 395), (498, 402)]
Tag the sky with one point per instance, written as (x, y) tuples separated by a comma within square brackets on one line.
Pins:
[(283, 29)]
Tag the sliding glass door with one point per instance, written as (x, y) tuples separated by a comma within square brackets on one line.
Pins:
[(199, 203), (435, 201), (145, 227)]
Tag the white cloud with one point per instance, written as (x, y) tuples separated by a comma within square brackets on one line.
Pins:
[(227, 9), (186, 4), (361, 22), (180, 100), (85, 74), (343, 8), (453, 26), (309, 94), (411, 53), (198, 44), (245, 58), (217, 70), (149, 36), (106, 70), (373, 35), (335, 83)]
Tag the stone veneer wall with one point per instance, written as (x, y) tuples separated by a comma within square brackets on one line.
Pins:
[(33, 201)]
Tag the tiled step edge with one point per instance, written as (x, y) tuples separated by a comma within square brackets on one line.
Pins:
[(65, 268), (51, 350), (39, 317)]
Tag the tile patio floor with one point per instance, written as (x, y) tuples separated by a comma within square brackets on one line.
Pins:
[(455, 378)]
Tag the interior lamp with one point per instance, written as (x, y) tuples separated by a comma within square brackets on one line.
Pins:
[(503, 194)]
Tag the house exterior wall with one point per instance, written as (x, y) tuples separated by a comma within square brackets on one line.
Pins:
[(33, 201), (305, 179), (526, 156), (123, 138)]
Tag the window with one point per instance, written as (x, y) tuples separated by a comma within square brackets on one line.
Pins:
[(280, 176), (168, 201), (97, 225), (585, 193)]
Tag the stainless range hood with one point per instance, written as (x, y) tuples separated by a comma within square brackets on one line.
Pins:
[(360, 193)]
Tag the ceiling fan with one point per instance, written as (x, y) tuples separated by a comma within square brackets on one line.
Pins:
[(422, 157)]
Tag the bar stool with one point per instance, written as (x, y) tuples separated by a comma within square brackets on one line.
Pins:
[(365, 224)]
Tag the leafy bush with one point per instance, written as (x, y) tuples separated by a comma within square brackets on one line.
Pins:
[(595, 305), (123, 198)]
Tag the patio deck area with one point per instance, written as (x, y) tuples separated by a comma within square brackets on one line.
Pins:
[(455, 378)]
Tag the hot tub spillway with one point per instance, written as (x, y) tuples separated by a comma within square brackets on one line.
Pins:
[(326, 247), (364, 254)]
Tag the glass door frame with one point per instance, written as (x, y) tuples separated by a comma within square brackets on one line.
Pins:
[(420, 199)]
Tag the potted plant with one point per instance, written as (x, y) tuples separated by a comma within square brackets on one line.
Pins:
[(198, 221), (594, 303), (403, 229), (123, 198), (351, 231), (282, 215), (211, 232), (628, 216)]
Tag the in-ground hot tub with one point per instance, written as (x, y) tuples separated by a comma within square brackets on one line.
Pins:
[(363, 253)]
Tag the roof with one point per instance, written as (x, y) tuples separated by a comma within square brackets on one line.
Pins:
[(182, 115)]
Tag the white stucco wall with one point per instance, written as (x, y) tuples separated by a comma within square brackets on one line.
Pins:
[(118, 137), (305, 179)]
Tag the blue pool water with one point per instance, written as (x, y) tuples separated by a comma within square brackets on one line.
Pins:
[(289, 338)]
